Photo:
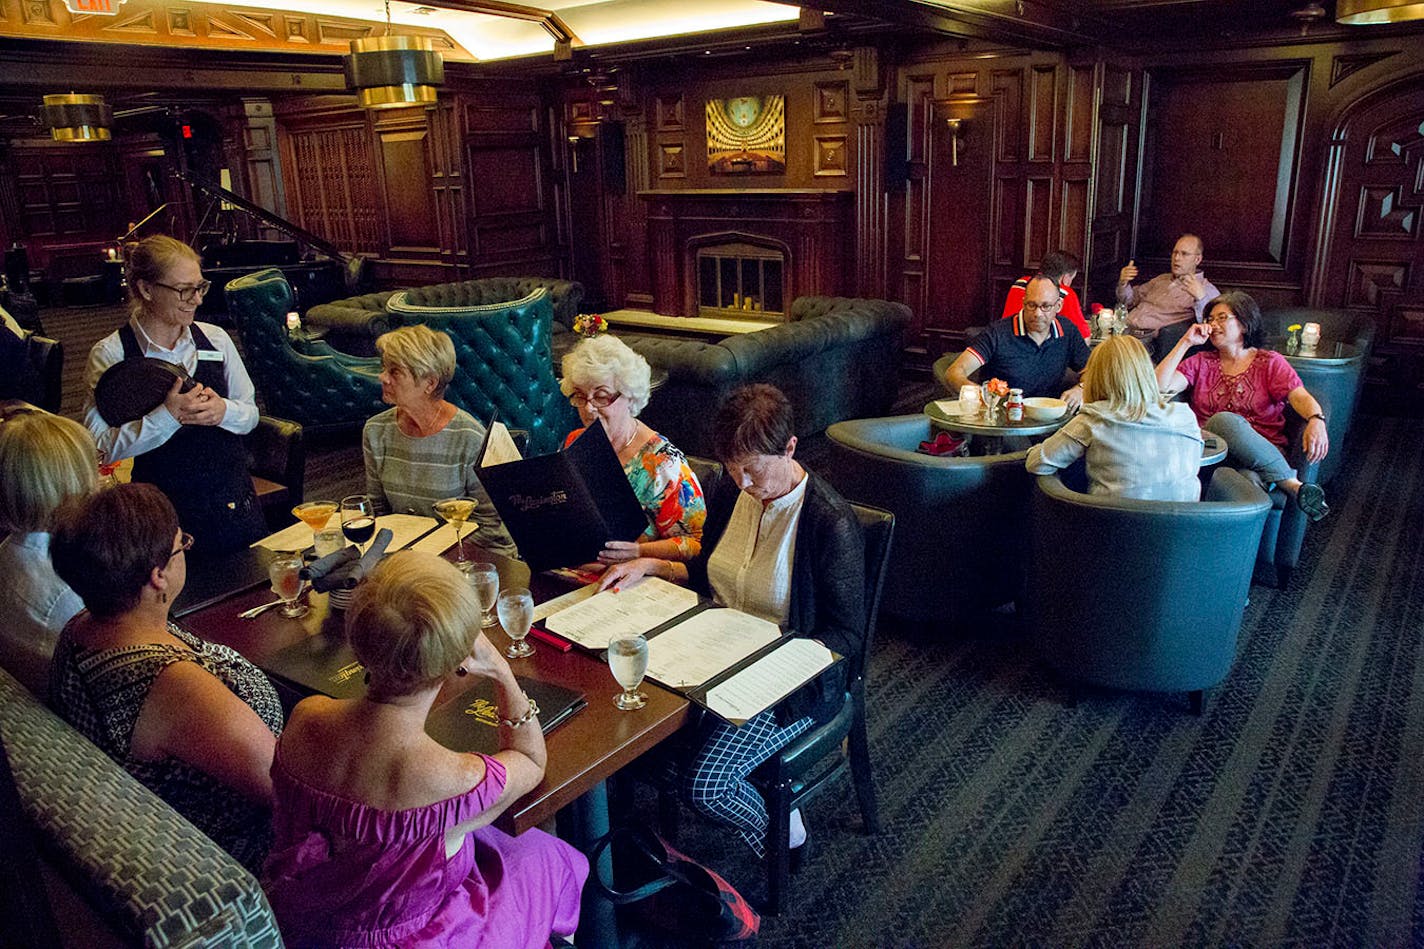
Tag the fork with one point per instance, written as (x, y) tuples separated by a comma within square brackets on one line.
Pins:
[(259, 610)]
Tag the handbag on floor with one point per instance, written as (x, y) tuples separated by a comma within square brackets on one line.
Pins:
[(679, 896)]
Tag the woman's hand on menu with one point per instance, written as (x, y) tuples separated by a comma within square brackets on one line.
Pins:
[(618, 551), (629, 572)]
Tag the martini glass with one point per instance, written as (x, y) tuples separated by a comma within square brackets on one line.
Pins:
[(315, 514), (457, 511)]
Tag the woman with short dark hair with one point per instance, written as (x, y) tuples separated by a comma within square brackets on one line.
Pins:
[(781, 544), (194, 721), (1240, 392)]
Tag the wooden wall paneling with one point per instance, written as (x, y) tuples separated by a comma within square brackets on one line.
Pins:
[(918, 93), (1074, 196), (330, 183), (1010, 136), (68, 199), (867, 115), (1115, 191), (1042, 113), (636, 279), (261, 168), (448, 186), (408, 171)]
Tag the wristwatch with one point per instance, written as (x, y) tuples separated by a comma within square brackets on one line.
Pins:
[(1317, 415)]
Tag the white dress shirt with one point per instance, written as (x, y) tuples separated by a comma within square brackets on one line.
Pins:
[(147, 433), (750, 568), (35, 607)]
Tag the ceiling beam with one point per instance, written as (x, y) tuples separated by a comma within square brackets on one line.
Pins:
[(552, 23), (1013, 21)]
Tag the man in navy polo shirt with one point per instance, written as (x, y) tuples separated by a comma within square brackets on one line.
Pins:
[(1031, 352)]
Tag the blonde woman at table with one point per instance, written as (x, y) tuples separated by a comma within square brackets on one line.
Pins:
[(194, 721), (47, 460), (608, 382), (1137, 444), (383, 836), (425, 448)]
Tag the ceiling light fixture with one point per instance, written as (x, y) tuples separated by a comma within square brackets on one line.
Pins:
[(77, 118), (1366, 12), (391, 71)]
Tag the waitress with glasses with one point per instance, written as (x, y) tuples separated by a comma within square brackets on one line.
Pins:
[(190, 446)]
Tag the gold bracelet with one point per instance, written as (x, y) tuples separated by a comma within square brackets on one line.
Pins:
[(526, 718)]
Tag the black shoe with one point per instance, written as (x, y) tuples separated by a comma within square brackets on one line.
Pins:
[(1311, 499), (800, 856)]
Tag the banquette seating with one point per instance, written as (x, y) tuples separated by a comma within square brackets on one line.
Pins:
[(149, 876), (961, 522), (1152, 596)]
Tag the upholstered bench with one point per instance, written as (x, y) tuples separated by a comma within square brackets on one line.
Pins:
[(133, 858)]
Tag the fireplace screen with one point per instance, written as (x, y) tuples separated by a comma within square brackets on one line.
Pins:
[(739, 280)]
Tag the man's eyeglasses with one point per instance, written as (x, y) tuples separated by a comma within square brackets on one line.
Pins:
[(1040, 307), (185, 543), (188, 294), (599, 400)]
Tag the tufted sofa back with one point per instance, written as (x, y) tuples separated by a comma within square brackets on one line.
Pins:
[(317, 391), (502, 360), (136, 859)]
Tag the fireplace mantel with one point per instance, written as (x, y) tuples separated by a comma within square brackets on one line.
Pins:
[(815, 226)]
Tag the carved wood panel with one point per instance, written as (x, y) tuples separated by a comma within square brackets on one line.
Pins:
[(331, 183)]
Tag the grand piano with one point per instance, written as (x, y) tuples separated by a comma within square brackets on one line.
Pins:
[(318, 270)]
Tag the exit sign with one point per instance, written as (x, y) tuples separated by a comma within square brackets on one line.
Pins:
[(110, 7)]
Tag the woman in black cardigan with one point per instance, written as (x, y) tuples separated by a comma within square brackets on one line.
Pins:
[(781, 544)]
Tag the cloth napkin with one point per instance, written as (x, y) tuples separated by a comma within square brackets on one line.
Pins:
[(346, 568), (943, 444)]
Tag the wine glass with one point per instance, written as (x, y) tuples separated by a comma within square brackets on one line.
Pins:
[(358, 519), (484, 577), (516, 612), (456, 511), (286, 576), (628, 658), (314, 514)]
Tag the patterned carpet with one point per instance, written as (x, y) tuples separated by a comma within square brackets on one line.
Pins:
[(1291, 813)]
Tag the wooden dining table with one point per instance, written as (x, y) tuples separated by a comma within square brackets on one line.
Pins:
[(583, 751)]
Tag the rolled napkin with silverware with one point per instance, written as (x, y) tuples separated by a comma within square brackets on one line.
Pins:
[(347, 567)]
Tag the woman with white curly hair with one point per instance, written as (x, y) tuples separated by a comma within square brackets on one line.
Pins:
[(607, 381)]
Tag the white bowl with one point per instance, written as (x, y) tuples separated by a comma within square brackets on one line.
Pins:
[(1044, 409)]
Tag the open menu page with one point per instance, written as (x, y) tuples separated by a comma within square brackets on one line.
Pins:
[(630, 611), (706, 644), (768, 680), (404, 529)]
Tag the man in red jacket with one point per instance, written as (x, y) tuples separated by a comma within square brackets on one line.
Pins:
[(1062, 268)]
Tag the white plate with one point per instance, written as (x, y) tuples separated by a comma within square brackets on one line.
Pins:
[(949, 407)]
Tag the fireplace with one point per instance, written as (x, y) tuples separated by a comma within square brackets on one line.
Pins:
[(740, 279), (747, 253)]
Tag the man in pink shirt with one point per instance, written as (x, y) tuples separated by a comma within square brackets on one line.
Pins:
[(1170, 298)]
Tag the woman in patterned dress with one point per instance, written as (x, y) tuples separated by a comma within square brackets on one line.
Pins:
[(195, 722), (1240, 392), (607, 381)]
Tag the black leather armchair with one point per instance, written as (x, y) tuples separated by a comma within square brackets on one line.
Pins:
[(1140, 615), (317, 388), (43, 382), (278, 467)]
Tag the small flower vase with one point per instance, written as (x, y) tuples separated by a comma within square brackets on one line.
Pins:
[(1293, 339)]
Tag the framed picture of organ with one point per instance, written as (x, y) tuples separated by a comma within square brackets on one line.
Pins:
[(746, 135)]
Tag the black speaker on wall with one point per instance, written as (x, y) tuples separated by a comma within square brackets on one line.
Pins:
[(897, 144), (610, 156)]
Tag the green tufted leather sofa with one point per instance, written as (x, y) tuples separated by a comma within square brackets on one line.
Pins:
[(135, 860), (315, 386), (835, 358), (352, 325)]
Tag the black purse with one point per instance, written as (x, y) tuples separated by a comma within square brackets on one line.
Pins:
[(679, 896)]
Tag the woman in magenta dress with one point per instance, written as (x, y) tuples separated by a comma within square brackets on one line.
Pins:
[(1240, 392), (383, 836)]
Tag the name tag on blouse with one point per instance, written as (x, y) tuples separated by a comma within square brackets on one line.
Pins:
[(210, 355)]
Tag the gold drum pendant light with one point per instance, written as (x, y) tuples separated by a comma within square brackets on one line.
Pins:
[(1366, 12), (77, 118), (390, 71)]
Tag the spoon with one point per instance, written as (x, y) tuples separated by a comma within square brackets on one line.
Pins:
[(259, 610)]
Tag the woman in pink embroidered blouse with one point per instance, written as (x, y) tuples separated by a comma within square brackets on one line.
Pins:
[(1241, 391)]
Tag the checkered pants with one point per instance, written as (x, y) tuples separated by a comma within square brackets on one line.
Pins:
[(715, 781)]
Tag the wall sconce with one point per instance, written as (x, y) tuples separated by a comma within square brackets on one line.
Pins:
[(954, 113)]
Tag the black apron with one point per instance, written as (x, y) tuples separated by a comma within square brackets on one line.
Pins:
[(203, 468)]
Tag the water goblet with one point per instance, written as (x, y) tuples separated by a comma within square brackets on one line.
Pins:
[(516, 613), (456, 511), (285, 574), (358, 519), (484, 577), (628, 659)]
